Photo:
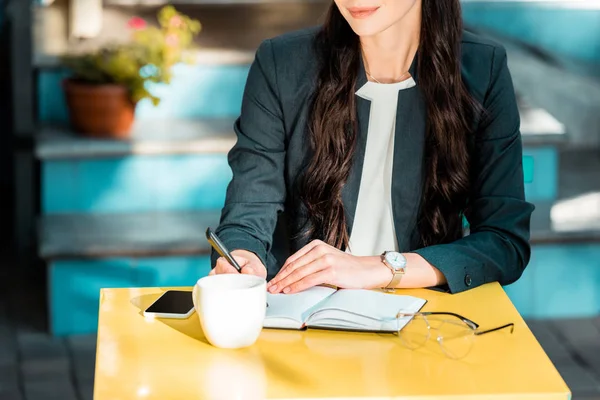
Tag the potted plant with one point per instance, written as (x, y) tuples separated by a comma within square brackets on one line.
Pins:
[(106, 84)]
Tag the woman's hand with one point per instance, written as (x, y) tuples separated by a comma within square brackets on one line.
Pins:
[(249, 262), (318, 263)]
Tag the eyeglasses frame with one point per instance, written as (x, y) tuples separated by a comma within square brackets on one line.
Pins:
[(471, 324)]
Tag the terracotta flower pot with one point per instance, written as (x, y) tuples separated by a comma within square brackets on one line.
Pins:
[(99, 110)]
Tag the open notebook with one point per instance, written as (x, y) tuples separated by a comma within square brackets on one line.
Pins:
[(348, 309)]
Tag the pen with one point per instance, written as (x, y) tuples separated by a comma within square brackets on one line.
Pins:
[(220, 248)]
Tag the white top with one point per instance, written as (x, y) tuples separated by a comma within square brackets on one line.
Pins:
[(373, 228)]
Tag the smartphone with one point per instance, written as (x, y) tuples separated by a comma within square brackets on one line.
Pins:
[(172, 304)]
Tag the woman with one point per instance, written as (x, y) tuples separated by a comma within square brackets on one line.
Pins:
[(371, 140)]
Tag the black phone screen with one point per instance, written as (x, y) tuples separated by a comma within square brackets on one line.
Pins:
[(172, 302)]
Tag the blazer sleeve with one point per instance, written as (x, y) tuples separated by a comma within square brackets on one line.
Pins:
[(497, 248), (256, 193)]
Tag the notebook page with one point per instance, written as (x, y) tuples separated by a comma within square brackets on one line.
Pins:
[(288, 307), (363, 309)]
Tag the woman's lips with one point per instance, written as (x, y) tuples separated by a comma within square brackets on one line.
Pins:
[(362, 12)]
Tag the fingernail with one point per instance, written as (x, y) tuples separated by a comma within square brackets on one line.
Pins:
[(273, 289), (286, 290)]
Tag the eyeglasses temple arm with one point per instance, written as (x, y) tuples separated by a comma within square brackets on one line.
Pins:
[(464, 319), (511, 326)]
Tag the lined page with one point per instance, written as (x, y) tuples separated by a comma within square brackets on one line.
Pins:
[(293, 306)]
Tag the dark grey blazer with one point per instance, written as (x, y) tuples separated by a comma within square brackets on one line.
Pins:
[(263, 212)]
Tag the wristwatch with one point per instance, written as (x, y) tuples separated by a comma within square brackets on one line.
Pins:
[(396, 262)]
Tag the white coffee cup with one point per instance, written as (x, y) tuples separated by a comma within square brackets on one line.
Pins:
[(231, 308)]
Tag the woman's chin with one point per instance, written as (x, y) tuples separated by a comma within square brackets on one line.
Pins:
[(366, 28)]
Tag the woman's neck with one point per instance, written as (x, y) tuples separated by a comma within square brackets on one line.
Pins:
[(389, 54)]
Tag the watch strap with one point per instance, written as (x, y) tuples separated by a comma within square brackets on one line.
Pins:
[(396, 274), (396, 278)]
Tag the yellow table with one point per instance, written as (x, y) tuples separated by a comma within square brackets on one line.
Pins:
[(170, 359)]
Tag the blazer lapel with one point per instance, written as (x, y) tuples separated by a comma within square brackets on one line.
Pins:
[(352, 186), (408, 168)]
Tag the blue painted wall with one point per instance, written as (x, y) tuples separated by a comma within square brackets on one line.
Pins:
[(560, 281), (540, 172), (75, 285), (135, 184), (51, 105), (572, 32), (193, 182)]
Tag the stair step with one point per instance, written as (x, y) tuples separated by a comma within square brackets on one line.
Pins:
[(567, 221), (216, 135), (148, 136), (539, 127), (573, 214), (183, 233), (125, 235)]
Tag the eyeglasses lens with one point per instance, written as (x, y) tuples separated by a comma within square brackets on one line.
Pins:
[(455, 338), (416, 333)]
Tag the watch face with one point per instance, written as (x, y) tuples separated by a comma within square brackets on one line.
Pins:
[(395, 259)]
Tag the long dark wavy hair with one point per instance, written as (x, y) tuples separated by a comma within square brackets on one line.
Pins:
[(333, 126)]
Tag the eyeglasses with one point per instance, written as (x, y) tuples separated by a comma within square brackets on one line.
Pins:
[(454, 333)]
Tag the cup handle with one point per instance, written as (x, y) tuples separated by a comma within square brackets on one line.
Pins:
[(194, 292)]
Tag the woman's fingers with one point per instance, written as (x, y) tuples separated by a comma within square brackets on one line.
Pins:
[(250, 267), (223, 267), (301, 273), (257, 270), (304, 256), (318, 278), (303, 251), (312, 254), (253, 265), (248, 270)]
